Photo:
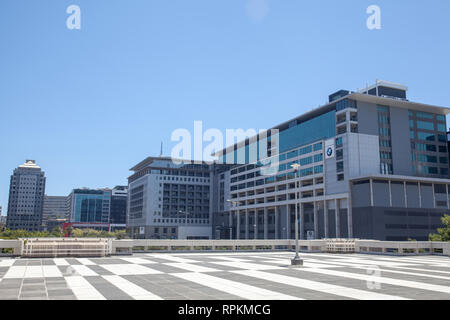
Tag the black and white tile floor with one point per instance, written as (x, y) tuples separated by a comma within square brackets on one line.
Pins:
[(218, 276)]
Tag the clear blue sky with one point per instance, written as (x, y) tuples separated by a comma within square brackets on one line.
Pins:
[(89, 104)]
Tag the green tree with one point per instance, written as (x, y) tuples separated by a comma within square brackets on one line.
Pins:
[(443, 233)]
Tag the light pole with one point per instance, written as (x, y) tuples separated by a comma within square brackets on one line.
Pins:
[(255, 235), (296, 261), (233, 204)]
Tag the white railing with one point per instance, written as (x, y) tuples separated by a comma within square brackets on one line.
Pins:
[(401, 248)]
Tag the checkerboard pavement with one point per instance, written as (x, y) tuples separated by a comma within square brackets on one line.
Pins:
[(226, 276)]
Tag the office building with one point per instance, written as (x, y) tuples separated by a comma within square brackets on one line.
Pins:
[(55, 212), (118, 214), (372, 165), (170, 201), (26, 197), (88, 208)]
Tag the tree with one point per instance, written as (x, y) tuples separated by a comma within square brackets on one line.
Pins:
[(443, 233)]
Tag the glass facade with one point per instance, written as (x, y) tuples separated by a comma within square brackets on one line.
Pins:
[(319, 128)]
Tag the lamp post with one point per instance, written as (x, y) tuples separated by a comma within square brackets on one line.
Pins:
[(255, 232), (296, 261)]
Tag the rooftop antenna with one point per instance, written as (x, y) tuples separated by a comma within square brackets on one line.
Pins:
[(161, 152)]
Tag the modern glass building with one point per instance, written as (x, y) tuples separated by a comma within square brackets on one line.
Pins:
[(92, 206), (372, 165)]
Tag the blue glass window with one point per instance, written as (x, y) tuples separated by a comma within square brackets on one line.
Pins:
[(425, 125), (425, 136), (424, 115)]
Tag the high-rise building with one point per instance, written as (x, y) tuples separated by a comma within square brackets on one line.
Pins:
[(55, 212), (371, 164), (170, 201), (119, 197), (26, 197), (89, 208)]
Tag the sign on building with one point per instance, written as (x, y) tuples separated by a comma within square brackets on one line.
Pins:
[(329, 149)]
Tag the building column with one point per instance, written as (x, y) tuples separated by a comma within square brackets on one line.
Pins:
[(230, 224), (238, 225), (246, 224), (266, 223), (288, 221), (448, 202), (277, 233), (255, 225), (350, 213), (434, 196), (301, 222), (420, 195), (390, 193), (316, 221), (337, 218), (371, 192), (406, 194), (325, 218)]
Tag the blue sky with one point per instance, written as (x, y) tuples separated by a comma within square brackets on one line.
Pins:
[(89, 104)]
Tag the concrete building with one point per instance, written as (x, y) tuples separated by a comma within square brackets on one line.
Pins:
[(372, 165), (55, 212), (26, 197), (170, 201)]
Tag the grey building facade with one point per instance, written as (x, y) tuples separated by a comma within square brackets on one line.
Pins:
[(26, 197), (372, 165), (55, 212)]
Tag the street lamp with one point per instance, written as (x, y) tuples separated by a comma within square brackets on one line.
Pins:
[(255, 234), (296, 261)]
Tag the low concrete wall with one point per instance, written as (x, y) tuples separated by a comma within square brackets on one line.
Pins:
[(126, 246), (401, 248), (16, 245)]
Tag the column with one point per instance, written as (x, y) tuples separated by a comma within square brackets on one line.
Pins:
[(390, 193), (266, 223), (406, 194), (277, 233), (230, 225), (316, 221), (288, 222), (434, 196), (246, 224), (255, 225), (238, 225), (337, 218), (325, 218), (371, 192), (420, 195), (301, 229), (350, 213)]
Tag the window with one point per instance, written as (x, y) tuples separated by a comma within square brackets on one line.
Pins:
[(425, 125), (441, 127), (442, 149), (339, 142), (318, 146), (319, 157), (440, 117), (305, 150), (339, 166), (425, 136), (306, 161), (340, 177), (318, 169), (424, 115)]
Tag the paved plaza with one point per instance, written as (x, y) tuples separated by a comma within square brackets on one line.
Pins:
[(227, 276)]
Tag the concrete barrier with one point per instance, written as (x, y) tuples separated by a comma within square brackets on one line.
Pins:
[(16, 245)]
